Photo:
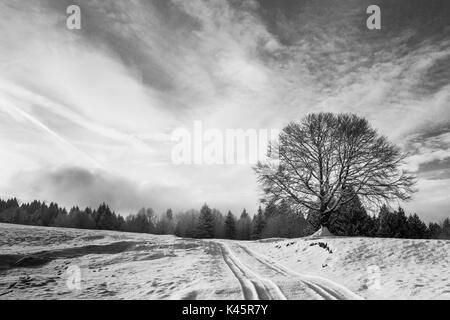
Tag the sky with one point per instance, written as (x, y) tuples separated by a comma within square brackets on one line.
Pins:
[(86, 115)]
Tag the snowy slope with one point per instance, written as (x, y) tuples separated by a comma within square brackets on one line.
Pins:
[(113, 265), (374, 268)]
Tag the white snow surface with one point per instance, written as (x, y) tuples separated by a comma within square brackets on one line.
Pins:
[(36, 263), (114, 265), (373, 268)]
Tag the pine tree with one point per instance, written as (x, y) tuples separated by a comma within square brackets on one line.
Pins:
[(48, 216), (258, 224), (416, 228), (205, 226), (274, 216), (106, 219), (230, 226), (401, 224), (62, 220), (296, 224), (351, 219), (283, 221), (12, 203), (244, 226), (445, 229), (434, 230), (120, 223), (372, 226), (86, 219), (270, 211), (219, 224), (386, 224)]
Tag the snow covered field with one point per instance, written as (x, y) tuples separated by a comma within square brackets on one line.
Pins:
[(42, 263), (374, 268), (35, 261)]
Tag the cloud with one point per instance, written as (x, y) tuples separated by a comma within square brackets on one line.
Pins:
[(78, 186), (428, 152), (100, 101), (432, 202)]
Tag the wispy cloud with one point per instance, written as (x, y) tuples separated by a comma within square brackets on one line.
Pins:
[(106, 97)]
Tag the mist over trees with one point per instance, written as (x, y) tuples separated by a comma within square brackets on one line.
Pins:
[(272, 221), (165, 224)]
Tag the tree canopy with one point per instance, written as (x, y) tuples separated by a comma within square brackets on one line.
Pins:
[(325, 155)]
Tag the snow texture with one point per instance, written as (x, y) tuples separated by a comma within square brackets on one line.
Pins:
[(44, 263)]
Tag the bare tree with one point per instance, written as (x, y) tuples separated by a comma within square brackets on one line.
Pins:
[(326, 155)]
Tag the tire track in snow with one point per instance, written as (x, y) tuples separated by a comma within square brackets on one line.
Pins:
[(280, 270), (325, 288), (254, 287)]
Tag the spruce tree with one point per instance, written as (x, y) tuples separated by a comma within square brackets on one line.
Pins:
[(244, 226), (434, 230), (271, 210), (386, 223), (258, 224), (351, 219), (401, 224), (106, 219), (445, 229), (230, 226), (219, 224), (205, 226), (416, 228)]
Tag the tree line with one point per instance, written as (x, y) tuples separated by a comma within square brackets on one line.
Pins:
[(274, 220)]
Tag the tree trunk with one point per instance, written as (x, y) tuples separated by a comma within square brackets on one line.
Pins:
[(324, 219)]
